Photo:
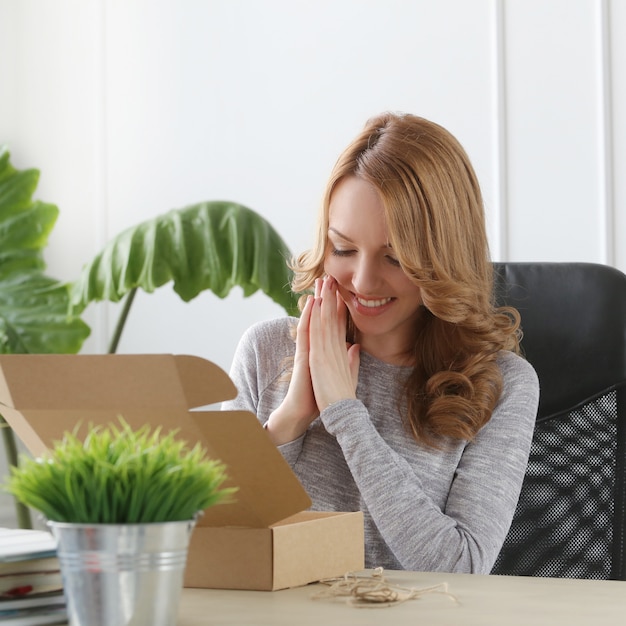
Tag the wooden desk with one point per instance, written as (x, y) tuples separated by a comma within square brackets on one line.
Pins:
[(483, 601)]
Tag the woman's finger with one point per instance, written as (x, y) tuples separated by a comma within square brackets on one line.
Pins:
[(329, 306), (318, 287), (354, 358), (302, 332)]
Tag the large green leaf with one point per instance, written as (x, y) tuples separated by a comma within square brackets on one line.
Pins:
[(212, 245), (33, 306)]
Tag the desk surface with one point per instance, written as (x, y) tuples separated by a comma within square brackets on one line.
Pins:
[(482, 601)]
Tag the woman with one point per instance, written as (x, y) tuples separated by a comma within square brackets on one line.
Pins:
[(402, 394)]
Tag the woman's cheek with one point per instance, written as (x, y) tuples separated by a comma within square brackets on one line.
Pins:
[(332, 267), (328, 267)]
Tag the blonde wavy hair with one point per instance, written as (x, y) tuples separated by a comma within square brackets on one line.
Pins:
[(436, 226)]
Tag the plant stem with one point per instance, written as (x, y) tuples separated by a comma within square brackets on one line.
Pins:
[(121, 321), (22, 512)]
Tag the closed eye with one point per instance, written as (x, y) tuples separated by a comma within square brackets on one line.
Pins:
[(393, 261), (337, 252)]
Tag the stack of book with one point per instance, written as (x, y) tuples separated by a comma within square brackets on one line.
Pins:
[(31, 587)]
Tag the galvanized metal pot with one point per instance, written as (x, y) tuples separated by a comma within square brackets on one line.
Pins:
[(122, 574)]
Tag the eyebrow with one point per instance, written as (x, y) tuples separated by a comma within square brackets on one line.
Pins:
[(346, 238)]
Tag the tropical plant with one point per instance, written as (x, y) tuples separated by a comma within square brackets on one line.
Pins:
[(33, 307), (211, 245), (118, 475)]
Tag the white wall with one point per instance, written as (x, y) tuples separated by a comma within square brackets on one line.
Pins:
[(130, 109)]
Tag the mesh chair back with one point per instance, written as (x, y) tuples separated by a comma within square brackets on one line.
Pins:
[(571, 517)]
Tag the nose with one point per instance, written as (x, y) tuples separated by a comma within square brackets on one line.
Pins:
[(366, 277)]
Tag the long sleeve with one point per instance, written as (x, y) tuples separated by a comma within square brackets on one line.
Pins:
[(467, 532), (260, 371), (425, 509)]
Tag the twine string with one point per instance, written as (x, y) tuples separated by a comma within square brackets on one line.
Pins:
[(374, 591)]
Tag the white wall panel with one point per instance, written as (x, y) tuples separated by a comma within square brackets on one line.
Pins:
[(553, 94), (132, 108), (52, 89), (617, 20), (51, 93)]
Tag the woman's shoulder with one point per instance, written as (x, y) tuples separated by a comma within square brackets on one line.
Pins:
[(515, 366), (274, 333), (520, 380)]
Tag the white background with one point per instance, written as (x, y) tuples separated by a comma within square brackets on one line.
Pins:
[(130, 108)]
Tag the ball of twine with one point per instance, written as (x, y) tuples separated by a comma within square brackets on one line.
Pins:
[(374, 591)]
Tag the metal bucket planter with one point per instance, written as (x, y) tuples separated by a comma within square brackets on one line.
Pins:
[(122, 574)]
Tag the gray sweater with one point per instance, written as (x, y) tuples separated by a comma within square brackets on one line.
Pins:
[(424, 509)]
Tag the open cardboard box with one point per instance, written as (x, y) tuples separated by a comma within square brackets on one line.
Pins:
[(266, 539)]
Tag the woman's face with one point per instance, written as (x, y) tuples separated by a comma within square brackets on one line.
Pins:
[(383, 302)]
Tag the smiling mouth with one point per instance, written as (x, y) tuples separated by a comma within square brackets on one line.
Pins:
[(371, 304)]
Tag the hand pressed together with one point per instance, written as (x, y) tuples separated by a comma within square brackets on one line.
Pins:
[(325, 368)]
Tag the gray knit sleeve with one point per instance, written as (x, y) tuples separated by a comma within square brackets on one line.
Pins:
[(261, 361), (467, 532)]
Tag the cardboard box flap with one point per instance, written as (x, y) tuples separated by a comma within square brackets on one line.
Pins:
[(203, 382), (268, 490), (38, 429), (60, 381), (46, 395)]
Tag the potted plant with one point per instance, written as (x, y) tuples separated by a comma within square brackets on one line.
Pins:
[(122, 504)]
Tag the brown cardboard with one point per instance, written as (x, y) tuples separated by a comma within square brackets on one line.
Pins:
[(266, 539), (302, 549)]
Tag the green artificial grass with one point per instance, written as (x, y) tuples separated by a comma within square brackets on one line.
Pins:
[(118, 475)]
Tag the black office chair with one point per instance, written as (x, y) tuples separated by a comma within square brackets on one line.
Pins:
[(571, 518)]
